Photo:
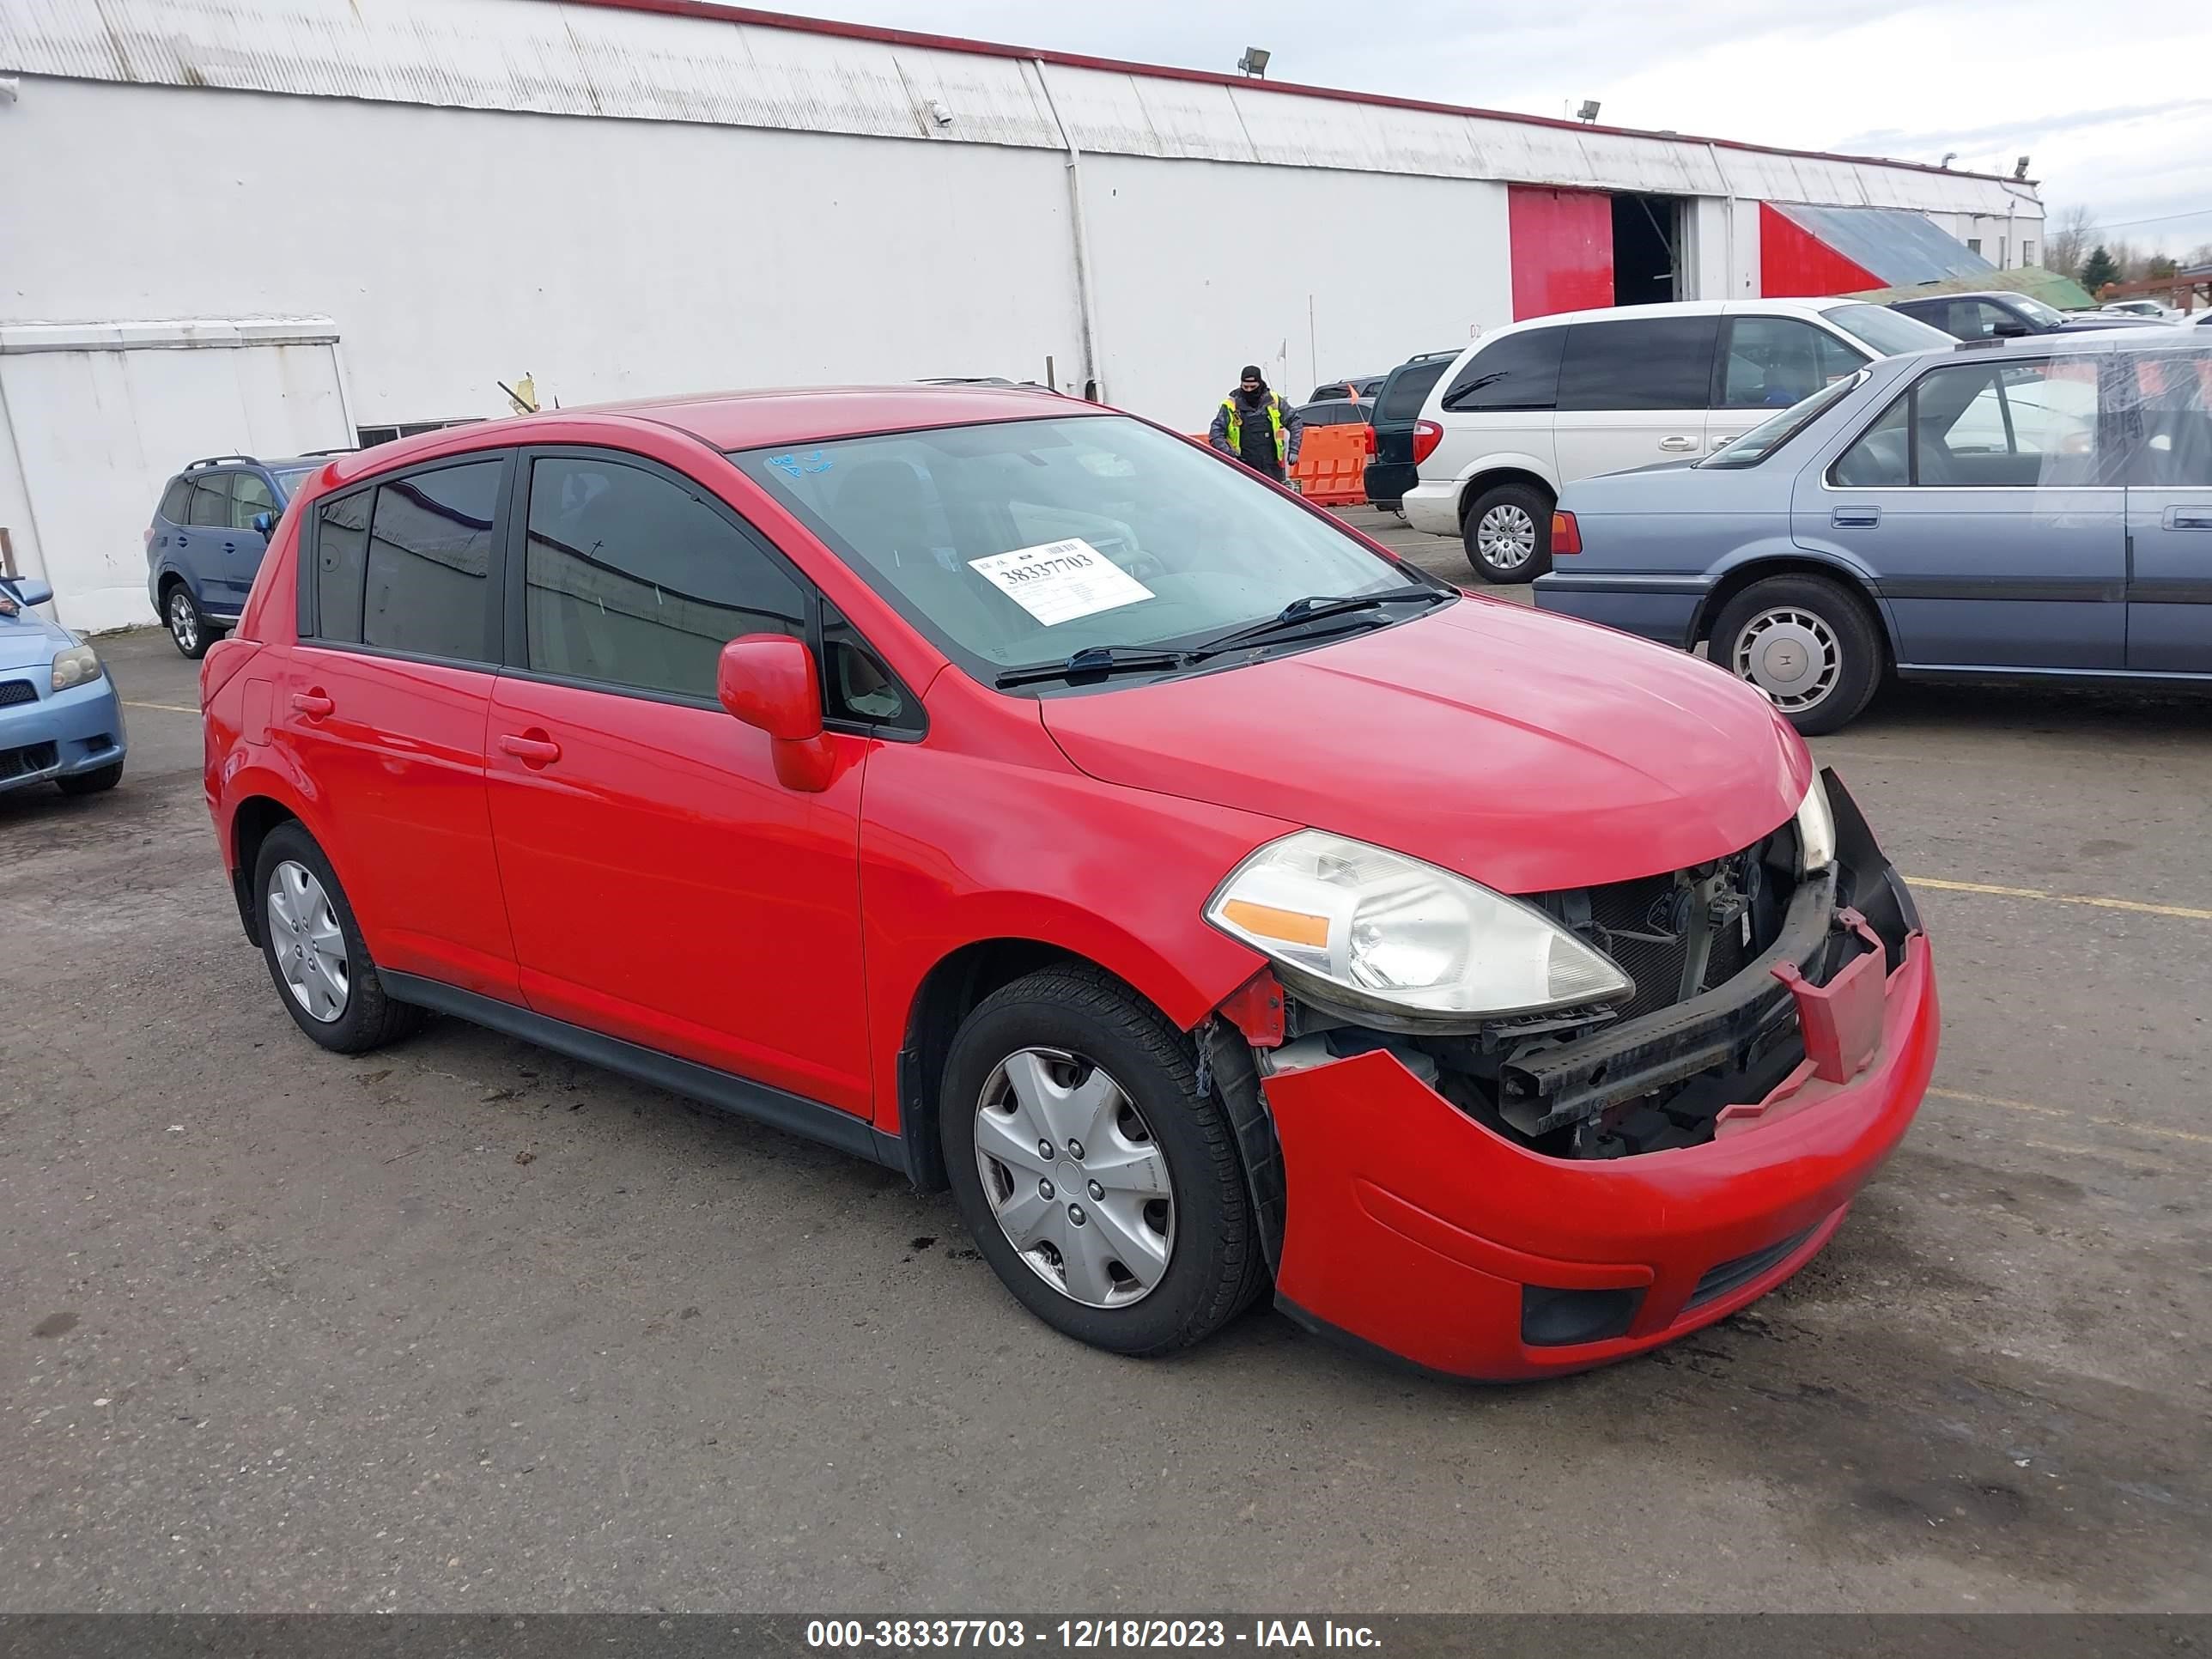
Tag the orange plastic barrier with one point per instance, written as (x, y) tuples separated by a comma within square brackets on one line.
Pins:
[(1331, 465)]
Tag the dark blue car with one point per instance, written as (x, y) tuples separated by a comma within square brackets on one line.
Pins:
[(2036, 508), (208, 533)]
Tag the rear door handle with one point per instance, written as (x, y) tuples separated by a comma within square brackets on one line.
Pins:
[(532, 749), (1678, 442), (1860, 518), (230, 547), (2189, 518), (313, 704)]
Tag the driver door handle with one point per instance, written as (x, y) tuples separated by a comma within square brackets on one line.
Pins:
[(1678, 442), (532, 749)]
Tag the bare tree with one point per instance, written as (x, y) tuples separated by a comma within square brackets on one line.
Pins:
[(2068, 239)]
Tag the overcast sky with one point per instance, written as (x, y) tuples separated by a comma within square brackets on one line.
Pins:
[(2110, 100)]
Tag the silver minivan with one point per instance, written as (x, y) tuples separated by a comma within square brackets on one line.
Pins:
[(1529, 408)]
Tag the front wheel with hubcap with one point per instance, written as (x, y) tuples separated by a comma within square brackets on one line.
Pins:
[(1102, 1186), (1807, 643), (1508, 533)]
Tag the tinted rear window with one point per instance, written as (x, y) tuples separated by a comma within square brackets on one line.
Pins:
[(341, 550), (210, 503), (173, 498), (1521, 371), (1656, 362), (1407, 389), (429, 558)]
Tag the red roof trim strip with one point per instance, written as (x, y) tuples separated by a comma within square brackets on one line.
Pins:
[(712, 12)]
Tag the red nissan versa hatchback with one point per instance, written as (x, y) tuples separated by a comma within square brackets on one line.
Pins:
[(1020, 796)]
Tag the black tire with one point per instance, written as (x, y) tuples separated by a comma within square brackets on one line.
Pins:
[(1827, 608), (370, 1017), (189, 630), (1214, 1267), (91, 783), (1511, 504)]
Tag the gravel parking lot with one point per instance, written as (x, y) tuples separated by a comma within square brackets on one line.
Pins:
[(463, 1325)]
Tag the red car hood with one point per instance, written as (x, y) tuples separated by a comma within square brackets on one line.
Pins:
[(1531, 752)]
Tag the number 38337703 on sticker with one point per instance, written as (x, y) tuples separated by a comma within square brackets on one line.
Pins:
[(1059, 581)]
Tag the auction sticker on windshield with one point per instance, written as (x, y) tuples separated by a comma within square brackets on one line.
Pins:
[(1059, 581)]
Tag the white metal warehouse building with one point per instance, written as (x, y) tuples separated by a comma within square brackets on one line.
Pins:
[(270, 226)]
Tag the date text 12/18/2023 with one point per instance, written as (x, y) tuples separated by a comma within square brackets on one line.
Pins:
[(1082, 1635)]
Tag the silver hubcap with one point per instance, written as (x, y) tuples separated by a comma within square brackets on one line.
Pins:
[(1506, 537), (182, 623), (1792, 655), (1073, 1177), (311, 953)]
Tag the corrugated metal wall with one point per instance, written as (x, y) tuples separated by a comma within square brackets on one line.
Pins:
[(555, 56)]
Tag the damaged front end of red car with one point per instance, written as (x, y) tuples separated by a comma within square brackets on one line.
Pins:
[(1537, 1195)]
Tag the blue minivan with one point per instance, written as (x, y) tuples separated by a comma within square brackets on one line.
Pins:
[(2037, 509), (209, 531)]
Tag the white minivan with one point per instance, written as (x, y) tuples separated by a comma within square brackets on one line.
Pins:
[(1531, 408)]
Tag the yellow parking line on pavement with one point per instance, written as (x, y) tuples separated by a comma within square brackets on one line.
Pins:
[(2186, 912), (2061, 1112), (165, 707)]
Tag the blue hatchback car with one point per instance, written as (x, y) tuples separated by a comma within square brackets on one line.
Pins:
[(60, 720), (209, 531), (2036, 508)]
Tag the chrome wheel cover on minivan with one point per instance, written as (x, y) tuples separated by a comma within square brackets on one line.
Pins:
[(1506, 537), (1074, 1178)]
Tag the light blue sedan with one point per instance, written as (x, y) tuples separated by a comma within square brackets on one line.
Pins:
[(2038, 508), (60, 720)]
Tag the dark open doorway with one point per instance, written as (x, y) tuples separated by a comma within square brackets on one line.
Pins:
[(1647, 241)]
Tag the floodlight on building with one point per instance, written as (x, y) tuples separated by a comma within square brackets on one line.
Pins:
[(1254, 63)]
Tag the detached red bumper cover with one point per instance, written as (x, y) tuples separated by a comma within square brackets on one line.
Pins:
[(1416, 1228)]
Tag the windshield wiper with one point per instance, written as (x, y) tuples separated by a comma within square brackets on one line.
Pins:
[(1315, 607), (1096, 659)]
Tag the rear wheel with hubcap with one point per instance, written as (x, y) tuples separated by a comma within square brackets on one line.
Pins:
[(321, 968), (1103, 1189), (1807, 643), (189, 628), (1508, 533)]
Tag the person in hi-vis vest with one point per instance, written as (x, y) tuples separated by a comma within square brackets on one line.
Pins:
[(1254, 425)]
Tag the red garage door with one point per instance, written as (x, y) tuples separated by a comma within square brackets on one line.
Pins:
[(1562, 249)]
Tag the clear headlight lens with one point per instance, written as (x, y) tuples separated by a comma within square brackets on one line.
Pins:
[(1366, 926), (1816, 829), (78, 666)]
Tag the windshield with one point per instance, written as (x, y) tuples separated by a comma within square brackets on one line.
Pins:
[(287, 477), (2049, 316), (1776, 430), (1023, 542), (1890, 332)]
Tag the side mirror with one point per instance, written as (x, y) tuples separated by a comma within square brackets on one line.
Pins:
[(264, 525), (769, 680), (2010, 329), (29, 593)]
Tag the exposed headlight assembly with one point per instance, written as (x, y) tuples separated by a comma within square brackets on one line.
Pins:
[(1816, 829), (78, 666), (1362, 928)]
